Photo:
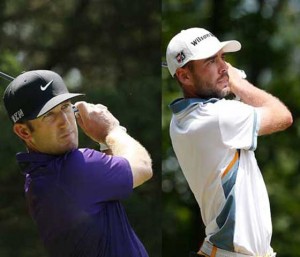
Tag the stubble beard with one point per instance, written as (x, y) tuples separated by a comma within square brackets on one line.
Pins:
[(211, 90)]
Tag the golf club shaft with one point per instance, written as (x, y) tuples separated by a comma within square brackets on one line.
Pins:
[(5, 76)]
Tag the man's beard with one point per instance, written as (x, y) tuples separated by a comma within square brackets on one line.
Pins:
[(209, 90)]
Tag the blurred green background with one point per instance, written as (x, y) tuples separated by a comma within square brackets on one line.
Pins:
[(269, 33), (109, 50)]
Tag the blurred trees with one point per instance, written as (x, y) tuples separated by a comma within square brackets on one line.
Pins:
[(106, 49), (268, 32), (111, 50)]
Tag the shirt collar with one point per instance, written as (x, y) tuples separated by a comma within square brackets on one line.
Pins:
[(181, 104), (29, 162)]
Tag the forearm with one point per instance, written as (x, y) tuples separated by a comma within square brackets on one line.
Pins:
[(275, 116), (121, 144), (253, 96), (101, 126)]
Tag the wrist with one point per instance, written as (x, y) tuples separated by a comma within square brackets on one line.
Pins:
[(117, 129), (116, 132)]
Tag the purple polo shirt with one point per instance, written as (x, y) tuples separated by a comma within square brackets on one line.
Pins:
[(75, 200)]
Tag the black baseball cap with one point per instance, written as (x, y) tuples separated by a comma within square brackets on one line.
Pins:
[(33, 93)]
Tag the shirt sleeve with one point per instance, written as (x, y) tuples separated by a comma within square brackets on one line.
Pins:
[(239, 124), (97, 177)]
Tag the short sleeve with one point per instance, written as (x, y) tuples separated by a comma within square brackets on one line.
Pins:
[(239, 124), (96, 177)]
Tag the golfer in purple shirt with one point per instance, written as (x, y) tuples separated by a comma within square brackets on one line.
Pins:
[(74, 194)]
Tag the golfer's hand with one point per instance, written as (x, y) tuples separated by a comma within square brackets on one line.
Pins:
[(95, 120), (235, 79)]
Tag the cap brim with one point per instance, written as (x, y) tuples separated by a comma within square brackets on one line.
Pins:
[(226, 46), (56, 101), (230, 46)]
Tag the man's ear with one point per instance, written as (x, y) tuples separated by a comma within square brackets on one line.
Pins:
[(22, 131), (184, 76)]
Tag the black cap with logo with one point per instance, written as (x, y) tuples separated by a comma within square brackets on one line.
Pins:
[(33, 93)]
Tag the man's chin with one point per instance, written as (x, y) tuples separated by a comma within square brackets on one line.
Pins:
[(225, 92)]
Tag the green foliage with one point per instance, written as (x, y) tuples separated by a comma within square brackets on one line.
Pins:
[(268, 31), (106, 49), (111, 50)]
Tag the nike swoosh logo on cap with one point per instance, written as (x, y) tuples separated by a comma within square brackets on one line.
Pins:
[(43, 88)]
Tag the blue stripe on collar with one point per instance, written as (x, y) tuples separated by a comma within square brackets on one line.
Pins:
[(180, 104)]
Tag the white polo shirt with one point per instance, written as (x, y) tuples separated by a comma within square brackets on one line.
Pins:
[(214, 141)]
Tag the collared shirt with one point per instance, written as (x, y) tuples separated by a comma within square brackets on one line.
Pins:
[(75, 200), (214, 141)]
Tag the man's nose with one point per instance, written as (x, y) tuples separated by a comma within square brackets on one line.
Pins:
[(63, 119), (223, 66)]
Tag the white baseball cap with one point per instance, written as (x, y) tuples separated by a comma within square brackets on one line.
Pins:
[(195, 44)]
